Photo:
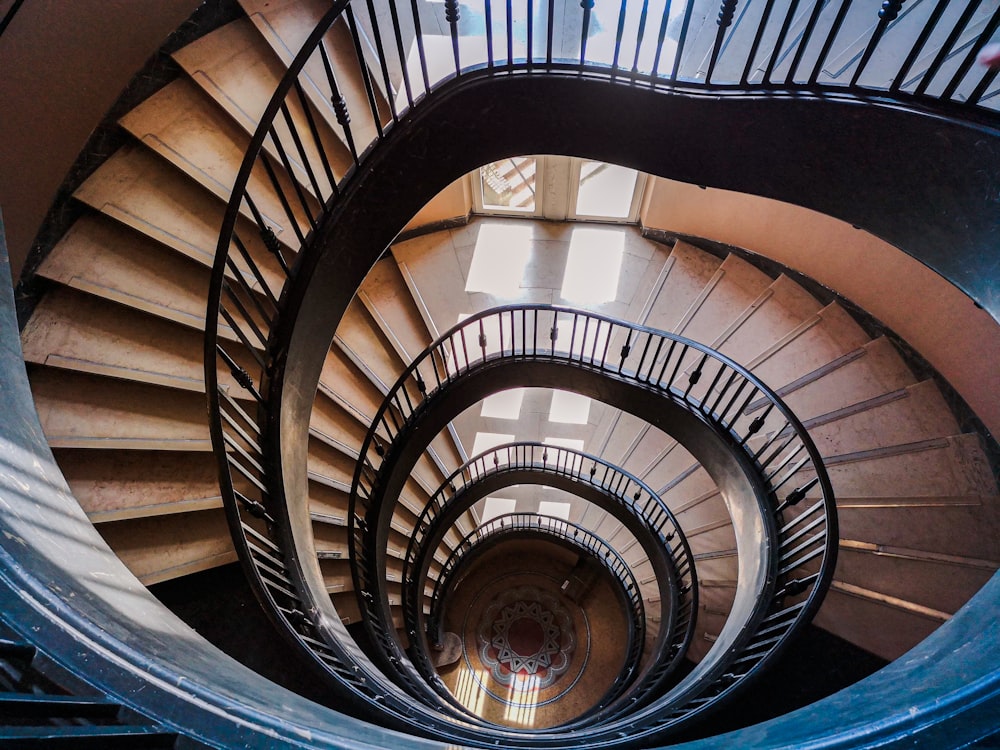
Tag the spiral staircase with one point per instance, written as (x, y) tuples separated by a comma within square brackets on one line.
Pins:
[(767, 446)]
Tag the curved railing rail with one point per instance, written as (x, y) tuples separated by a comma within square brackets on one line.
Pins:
[(521, 525), (678, 591), (688, 375), (315, 134), (512, 524)]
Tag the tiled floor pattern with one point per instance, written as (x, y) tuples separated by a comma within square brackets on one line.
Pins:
[(531, 656)]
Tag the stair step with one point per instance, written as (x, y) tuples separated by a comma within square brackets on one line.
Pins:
[(779, 312), (342, 381), (327, 501), (734, 287), (104, 258), (158, 549), (361, 337), (115, 485), (81, 737), (815, 345), (37, 706), (943, 467), (286, 26), (868, 619), (390, 305), (934, 581), (967, 530), (76, 331), (137, 188), (910, 415), (185, 127), (86, 411), (874, 369), (689, 271)]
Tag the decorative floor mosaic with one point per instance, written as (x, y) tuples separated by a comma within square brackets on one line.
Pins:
[(526, 637)]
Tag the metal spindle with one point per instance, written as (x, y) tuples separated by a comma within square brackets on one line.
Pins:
[(886, 15)]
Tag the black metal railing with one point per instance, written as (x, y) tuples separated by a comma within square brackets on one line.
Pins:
[(637, 505), (315, 135), (512, 524), (682, 372)]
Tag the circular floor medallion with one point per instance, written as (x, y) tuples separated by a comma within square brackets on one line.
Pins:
[(526, 638)]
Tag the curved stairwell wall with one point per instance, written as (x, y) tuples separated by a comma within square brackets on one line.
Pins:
[(117, 348)]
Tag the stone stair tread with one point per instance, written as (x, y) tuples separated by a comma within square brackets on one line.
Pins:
[(877, 370), (328, 502), (104, 258), (342, 380), (690, 269), (949, 466), (158, 549), (115, 485), (833, 335), (77, 331), (734, 287), (286, 26), (884, 629), (387, 297), (362, 337), (80, 410), (137, 188), (915, 413), (783, 308), (970, 530), (928, 582), (185, 127), (236, 68)]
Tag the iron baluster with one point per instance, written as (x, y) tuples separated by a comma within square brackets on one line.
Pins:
[(971, 55), (838, 22), (619, 33), (780, 41), (681, 40), (419, 36), (660, 39), (272, 176), (724, 21), (888, 13), (588, 7), (339, 104), (318, 143), (383, 60), (804, 40), (366, 78), (397, 32), (755, 45)]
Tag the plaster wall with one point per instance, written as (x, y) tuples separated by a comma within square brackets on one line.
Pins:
[(454, 202), (62, 65)]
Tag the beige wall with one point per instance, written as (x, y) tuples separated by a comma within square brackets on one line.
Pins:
[(63, 63), (941, 322), (453, 202)]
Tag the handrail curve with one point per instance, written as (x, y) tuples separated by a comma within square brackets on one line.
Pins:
[(833, 48), (526, 525), (657, 530)]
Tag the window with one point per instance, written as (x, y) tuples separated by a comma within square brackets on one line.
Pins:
[(558, 188)]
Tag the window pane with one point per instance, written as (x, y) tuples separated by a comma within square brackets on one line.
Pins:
[(509, 184), (605, 190)]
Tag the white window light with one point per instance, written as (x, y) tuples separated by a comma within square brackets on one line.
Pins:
[(499, 260), (569, 408), (593, 265), (503, 405), (497, 506)]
